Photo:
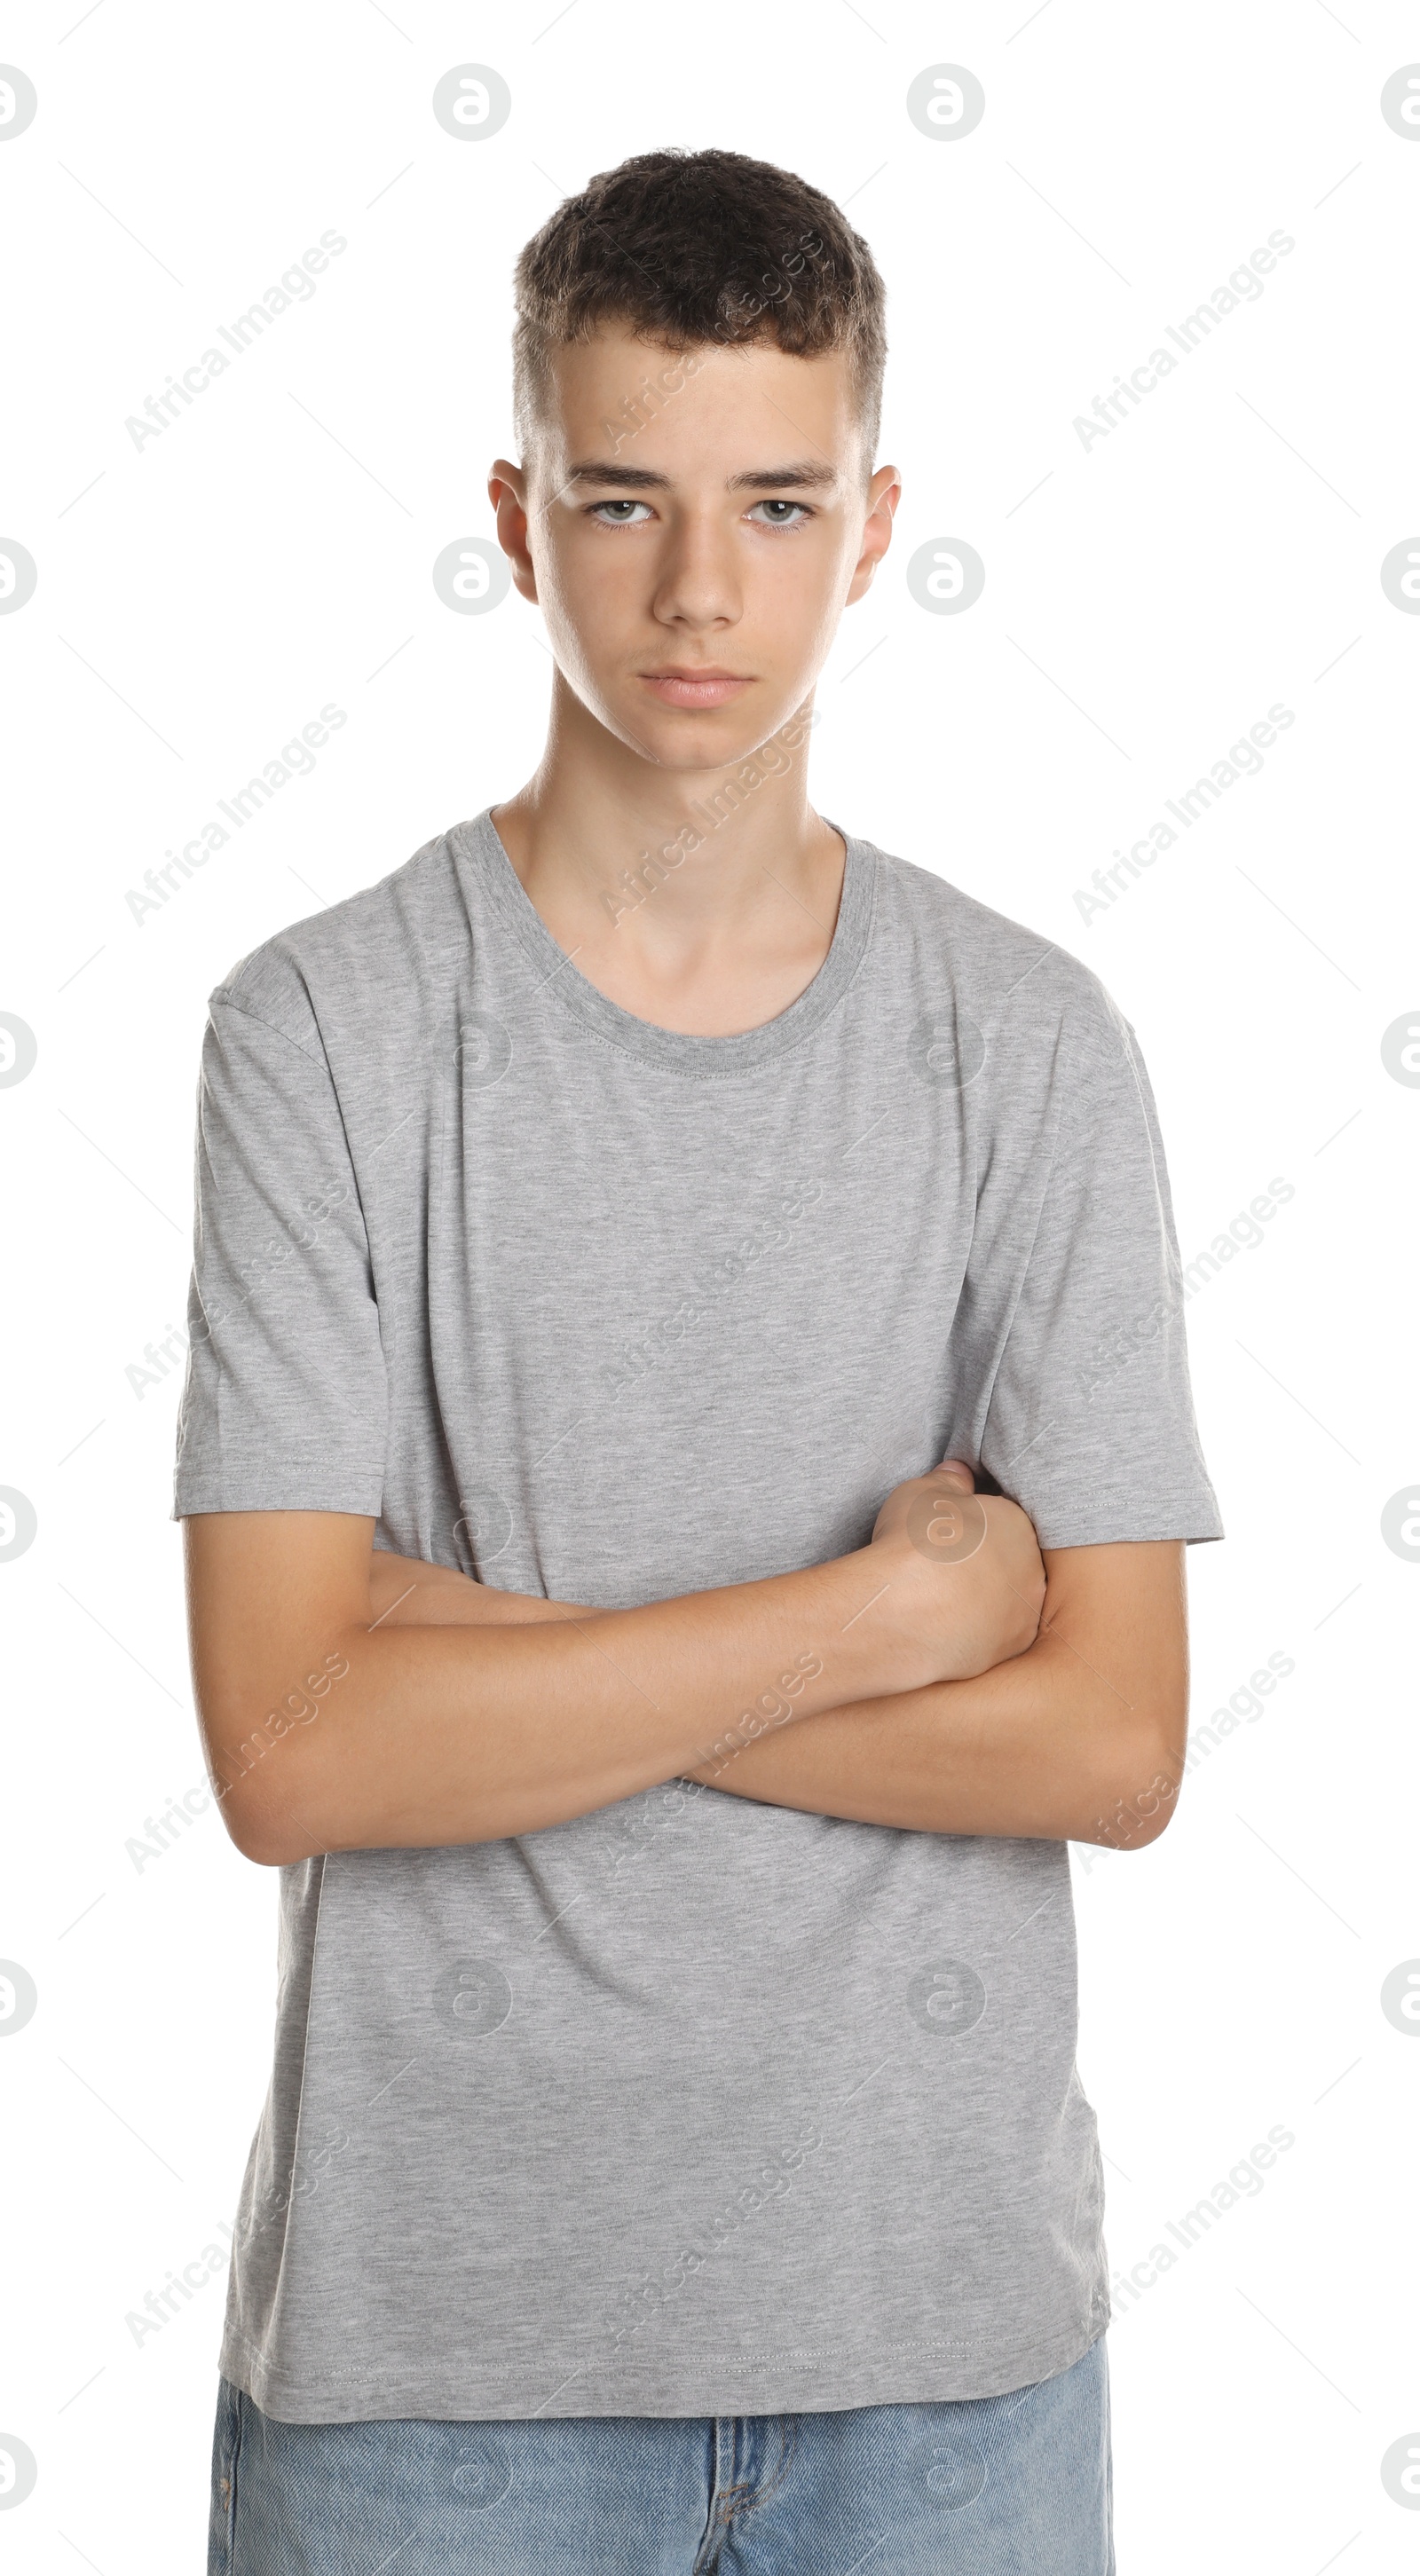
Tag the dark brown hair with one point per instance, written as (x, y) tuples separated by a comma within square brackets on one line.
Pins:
[(694, 248)]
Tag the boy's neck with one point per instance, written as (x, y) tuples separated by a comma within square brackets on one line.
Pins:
[(703, 900)]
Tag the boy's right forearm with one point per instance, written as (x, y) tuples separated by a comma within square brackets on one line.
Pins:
[(436, 1735)]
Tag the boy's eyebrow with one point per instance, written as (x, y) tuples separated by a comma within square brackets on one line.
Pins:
[(629, 478), (803, 478), (639, 478)]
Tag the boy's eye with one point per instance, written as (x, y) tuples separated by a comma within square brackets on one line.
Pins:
[(782, 514), (629, 513)]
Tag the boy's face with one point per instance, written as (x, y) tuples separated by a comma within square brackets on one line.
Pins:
[(692, 569)]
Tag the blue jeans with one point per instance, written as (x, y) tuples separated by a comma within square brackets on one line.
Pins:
[(1017, 2485)]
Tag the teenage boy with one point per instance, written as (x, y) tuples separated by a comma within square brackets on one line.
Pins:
[(674, 2157)]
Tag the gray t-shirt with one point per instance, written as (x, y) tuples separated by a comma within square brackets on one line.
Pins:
[(692, 2106)]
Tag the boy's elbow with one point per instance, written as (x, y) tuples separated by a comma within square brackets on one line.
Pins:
[(264, 1825), (270, 1788), (1140, 1793), (271, 1839), (272, 1774)]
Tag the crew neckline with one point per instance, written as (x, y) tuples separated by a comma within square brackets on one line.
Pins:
[(478, 849)]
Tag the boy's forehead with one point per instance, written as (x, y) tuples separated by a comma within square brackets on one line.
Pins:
[(622, 398)]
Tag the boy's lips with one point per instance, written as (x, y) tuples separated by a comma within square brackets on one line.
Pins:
[(684, 685)]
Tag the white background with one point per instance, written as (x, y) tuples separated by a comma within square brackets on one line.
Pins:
[(1147, 599)]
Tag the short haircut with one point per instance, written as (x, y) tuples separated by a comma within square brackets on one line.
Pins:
[(693, 248)]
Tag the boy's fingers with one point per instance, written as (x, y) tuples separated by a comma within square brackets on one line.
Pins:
[(958, 1473)]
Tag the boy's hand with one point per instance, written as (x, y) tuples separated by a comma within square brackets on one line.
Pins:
[(967, 1580)]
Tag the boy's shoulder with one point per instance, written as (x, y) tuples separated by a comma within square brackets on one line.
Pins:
[(991, 965), (375, 942)]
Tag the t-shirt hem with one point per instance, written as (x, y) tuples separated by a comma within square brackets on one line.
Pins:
[(805, 2382), (1095, 1529), (362, 1491)]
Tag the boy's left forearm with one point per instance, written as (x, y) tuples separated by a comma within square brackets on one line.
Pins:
[(1040, 1746)]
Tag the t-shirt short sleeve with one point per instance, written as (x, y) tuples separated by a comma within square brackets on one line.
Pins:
[(285, 1402), (1090, 1426)]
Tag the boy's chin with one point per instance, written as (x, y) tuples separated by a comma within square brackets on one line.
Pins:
[(688, 739)]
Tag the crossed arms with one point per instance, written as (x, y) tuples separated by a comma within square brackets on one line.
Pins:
[(353, 1700)]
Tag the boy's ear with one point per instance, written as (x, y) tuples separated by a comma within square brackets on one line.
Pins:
[(507, 490), (884, 494)]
